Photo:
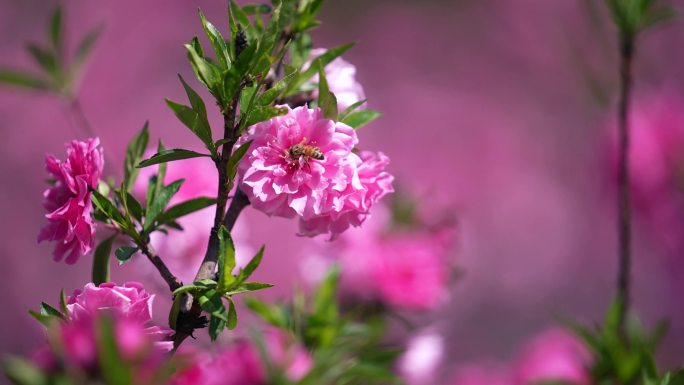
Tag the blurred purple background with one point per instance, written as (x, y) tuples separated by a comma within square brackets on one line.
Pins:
[(498, 108)]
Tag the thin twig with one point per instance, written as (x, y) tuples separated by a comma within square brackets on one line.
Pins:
[(239, 202), (624, 208), (170, 279)]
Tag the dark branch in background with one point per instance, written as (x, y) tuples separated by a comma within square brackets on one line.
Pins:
[(623, 177)]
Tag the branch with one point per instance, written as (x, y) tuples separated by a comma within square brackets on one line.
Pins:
[(238, 203), (173, 282), (624, 208)]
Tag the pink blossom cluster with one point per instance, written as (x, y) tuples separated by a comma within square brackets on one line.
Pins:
[(242, 363), (552, 356), (129, 307), (183, 251), (67, 201), (302, 165), (408, 269)]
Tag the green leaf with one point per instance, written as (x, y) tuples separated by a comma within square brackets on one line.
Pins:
[(239, 15), (192, 120), (232, 315), (185, 208), (326, 99), (23, 372), (160, 202), (269, 313), (323, 60), (46, 309), (44, 319), (134, 152), (254, 286), (86, 45), (114, 370), (216, 326), (63, 302), (206, 72), (133, 207), (210, 301), (260, 114), (278, 88), (217, 41), (108, 209), (197, 103), (252, 265), (44, 58), (360, 118), (350, 109), (235, 157), (56, 28), (125, 253), (169, 156), (226, 259), (22, 79), (100, 272)]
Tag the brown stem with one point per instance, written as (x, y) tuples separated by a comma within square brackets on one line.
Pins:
[(171, 280), (238, 203), (624, 208)]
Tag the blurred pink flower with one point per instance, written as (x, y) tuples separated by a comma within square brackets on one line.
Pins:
[(407, 268), (241, 364), (341, 77), (67, 201), (302, 164), (183, 251), (129, 303), (657, 165), (554, 355), (421, 360)]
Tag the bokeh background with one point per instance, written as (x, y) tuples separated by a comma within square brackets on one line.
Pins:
[(498, 109)]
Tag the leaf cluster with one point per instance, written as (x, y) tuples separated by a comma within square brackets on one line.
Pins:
[(623, 357), (345, 351), (634, 16), (211, 294), (58, 72)]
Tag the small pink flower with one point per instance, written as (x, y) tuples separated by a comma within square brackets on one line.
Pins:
[(341, 77), (554, 355), (67, 201), (302, 165), (420, 362), (241, 364), (130, 303)]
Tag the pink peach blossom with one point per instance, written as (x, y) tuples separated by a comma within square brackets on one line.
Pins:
[(341, 77), (421, 360), (129, 302), (67, 201), (302, 165), (554, 355)]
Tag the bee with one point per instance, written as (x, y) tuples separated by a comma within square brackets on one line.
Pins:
[(300, 149)]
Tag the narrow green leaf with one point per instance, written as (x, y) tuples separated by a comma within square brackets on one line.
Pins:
[(114, 370), (23, 372), (217, 41), (100, 273), (160, 202), (350, 109), (175, 310), (254, 286), (235, 157), (278, 88), (260, 114), (63, 302), (22, 79), (169, 156), (226, 259), (326, 99), (125, 253), (252, 265), (232, 315), (46, 309), (358, 119), (133, 206), (44, 58), (205, 71), (134, 152), (56, 28), (196, 102), (185, 208), (86, 45), (216, 326), (44, 319), (108, 208), (196, 123)]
